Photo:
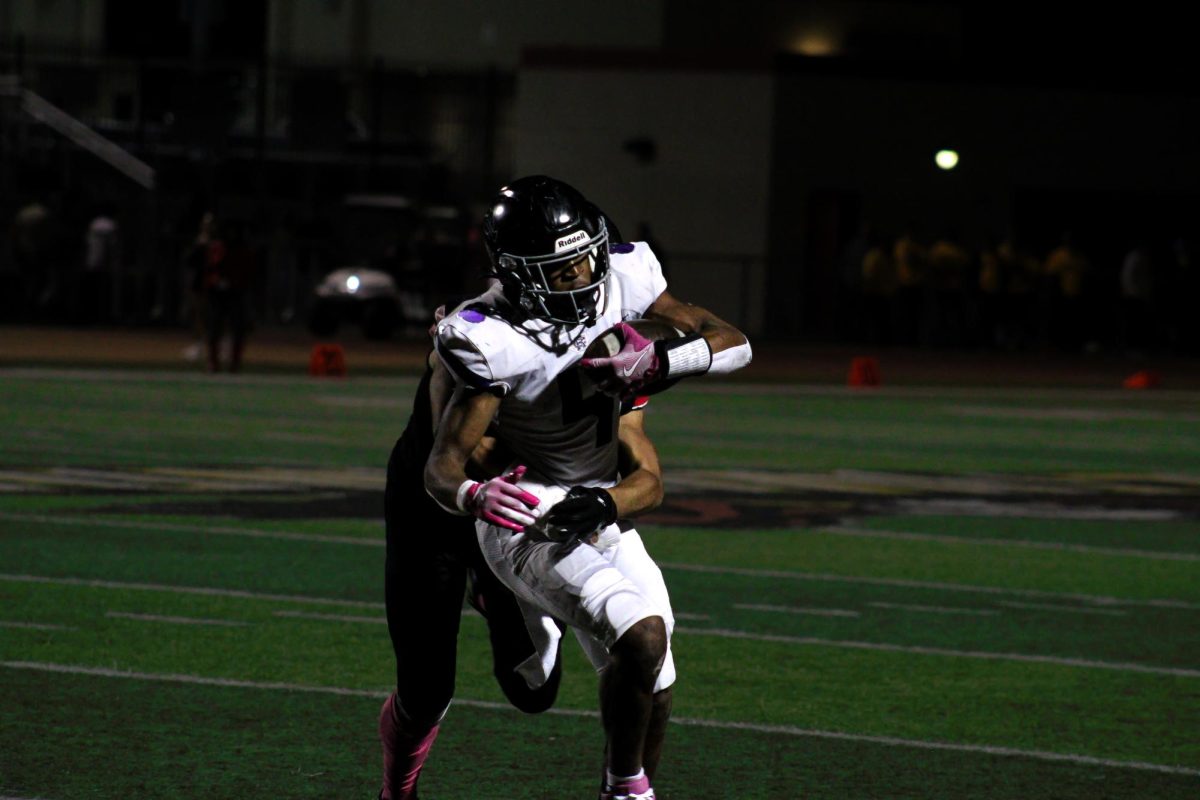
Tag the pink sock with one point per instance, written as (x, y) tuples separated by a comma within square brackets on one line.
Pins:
[(404, 754)]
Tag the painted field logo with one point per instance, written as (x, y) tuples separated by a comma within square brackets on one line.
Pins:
[(570, 241)]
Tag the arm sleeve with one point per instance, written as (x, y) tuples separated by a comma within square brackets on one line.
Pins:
[(731, 359)]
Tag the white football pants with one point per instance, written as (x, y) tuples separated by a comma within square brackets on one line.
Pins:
[(599, 593)]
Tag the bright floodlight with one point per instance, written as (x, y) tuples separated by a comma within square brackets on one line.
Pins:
[(352, 283), (946, 159)]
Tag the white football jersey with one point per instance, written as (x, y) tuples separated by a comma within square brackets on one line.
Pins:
[(551, 417)]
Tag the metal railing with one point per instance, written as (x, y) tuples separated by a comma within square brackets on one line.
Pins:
[(46, 113)]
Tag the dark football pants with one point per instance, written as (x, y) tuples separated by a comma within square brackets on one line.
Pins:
[(429, 553)]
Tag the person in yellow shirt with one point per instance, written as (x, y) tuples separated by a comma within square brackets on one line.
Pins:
[(912, 278), (1066, 269)]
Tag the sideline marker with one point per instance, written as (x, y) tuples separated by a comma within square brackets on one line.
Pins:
[(864, 372), (327, 361), (1145, 379)]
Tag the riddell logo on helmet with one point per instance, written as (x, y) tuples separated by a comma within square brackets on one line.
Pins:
[(567, 242)]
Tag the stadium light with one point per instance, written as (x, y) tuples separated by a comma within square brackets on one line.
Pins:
[(946, 159)]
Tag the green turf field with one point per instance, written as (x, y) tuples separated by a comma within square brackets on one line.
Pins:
[(909, 593)]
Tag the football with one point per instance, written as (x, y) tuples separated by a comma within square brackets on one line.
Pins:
[(609, 344)]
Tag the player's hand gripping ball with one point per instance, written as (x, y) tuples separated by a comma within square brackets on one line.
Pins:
[(625, 360), (582, 514), (578, 514)]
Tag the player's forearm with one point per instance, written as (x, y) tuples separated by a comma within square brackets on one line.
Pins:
[(710, 344), (720, 335), (638, 493), (730, 347), (444, 476)]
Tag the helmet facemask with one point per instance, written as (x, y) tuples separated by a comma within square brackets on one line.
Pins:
[(528, 277)]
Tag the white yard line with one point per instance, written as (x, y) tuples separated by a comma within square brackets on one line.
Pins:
[(818, 612), (1121, 552), (785, 730), (976, 612), (200, 590), (1112, 612), (914, 584), (751, 572), (331, 617), (725, 633), (980, 507), (891, 741), (250, 533), (175, 620), (35, 626), (721, 632)]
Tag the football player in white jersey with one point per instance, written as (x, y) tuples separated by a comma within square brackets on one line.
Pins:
[(516, 355)]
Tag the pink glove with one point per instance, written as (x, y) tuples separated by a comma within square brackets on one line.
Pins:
[(500, 502), (633, 365)]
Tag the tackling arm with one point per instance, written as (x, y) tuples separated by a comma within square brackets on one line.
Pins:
[(586, 511), (640, 489)]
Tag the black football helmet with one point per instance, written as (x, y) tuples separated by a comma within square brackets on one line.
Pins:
[(537, 225)]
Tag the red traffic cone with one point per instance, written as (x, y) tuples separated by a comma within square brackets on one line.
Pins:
[(327, 361), (864, 371), (1145, 379)]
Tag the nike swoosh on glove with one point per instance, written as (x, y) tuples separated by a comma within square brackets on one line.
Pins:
[(500, 502), (633, 365), (583, 512)]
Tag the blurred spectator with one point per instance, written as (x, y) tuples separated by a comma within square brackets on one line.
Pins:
[(912, 283), (990, 283), (1066, 268), (101, 259), (879, 284), (851, 306), (32, 237), (949, 265), (1137, 299), (228, 271), (1019, 274)]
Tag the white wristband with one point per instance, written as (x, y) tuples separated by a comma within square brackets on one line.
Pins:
[(460, 499), (731, 359), (689, 356)]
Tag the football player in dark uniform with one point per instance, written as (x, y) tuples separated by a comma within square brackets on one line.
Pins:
[(431, 558)]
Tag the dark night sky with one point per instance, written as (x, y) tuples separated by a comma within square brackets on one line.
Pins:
[(1148, 45)]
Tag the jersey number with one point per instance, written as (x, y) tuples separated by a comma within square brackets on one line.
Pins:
[(576, 407)]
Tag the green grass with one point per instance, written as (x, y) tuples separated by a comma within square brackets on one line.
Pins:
[(895, 656)]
